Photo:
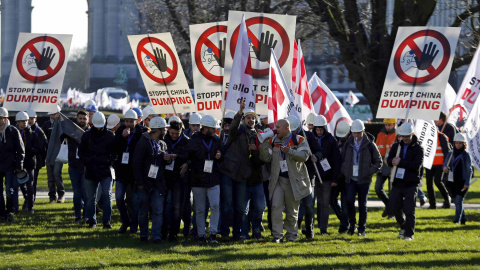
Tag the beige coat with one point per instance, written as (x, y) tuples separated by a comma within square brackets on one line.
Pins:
[(297, 170)]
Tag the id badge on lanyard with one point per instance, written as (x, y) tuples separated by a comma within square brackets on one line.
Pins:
[(355, 170), (450, 176), (125, 157), (152, 173), (283, 166), (400, 173), (170, 166), (208, 167), (325, 165)]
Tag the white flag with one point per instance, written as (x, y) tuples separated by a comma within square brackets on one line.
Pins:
[(352, 99), (301, 93), (427, 135), (471, 129), (326, 103), (448, 99), (470, 88), (240, 86)]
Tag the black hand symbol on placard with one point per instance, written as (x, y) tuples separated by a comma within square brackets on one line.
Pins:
[(427, 57), (221, 59), (161, 60), (46, 59), (266, 43)]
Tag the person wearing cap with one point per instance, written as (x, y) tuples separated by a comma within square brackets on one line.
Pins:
[(76, 169), (126, 140), (149, 162), (342, 132), (310, 120), (329, 163), (176, 179), (458, 166), (236, 168), (193, 124), (54, 171), (32, 148), (289, 182), (148, 113), (361, 160), (12, 153), (204, 152), (408, 176), (226, 124), (91, 108), (385, 139), (43, 144), (113, 122), (97, 152)]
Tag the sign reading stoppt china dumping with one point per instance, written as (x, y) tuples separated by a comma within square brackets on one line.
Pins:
[(208, 43), (418, 72), (162, 73), (37, 73), (265, 31)]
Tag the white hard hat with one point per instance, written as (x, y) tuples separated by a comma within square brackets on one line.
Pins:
[(174, 119), (98, 120), (194, 119), (311, 118), (90, 105), (209, 121), (263, 116), (294, 122), (357, 126), (147, 111), (56, 111), (405, 129), (320, 121), (3, 112), (158, 122), (21, 116), (460, 137), (112, 121), (249, 111), (343, 127), (31, 113), (229, 115), (130, 114)]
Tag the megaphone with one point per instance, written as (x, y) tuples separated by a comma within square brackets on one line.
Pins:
[(268, 133)]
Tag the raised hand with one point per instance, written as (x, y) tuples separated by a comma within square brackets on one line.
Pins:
[(427, 57), (266, 43), (221, 59), (46, 59), (161, 59)]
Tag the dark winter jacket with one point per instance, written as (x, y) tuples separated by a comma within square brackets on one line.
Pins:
[(411, 161), (47, 128), (330, 151), (97, 152), (143, 158), (32, 148), (178, 147), (462, 170), (256, 177), (124, 172), (12, 150), (74, 160), (197, 154), (43, 144)]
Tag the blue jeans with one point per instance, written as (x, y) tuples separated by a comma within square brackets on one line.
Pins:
[(213, 195), (127, 204), (340, 210), (354, 188), (233, 206), (459, 211), (156, 200), (91, 191), (420, 194), (9, 179), (379, 183), (255, 199), (77, 176), (11, 190), (28, 186)]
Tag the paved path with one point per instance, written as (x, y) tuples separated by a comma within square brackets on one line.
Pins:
[(371, 203)]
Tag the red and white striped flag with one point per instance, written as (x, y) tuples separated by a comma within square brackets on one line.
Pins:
[(302, 98), (326, 103)]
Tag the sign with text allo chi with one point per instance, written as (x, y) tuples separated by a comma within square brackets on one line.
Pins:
[(418, 72)]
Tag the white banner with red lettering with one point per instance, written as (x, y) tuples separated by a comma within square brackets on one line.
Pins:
[(471, 129), (326, 103), (426, 132), (301, 93)]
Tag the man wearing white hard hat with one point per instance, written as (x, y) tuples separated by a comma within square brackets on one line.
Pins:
[(76, 169), (113, 122), (97, 152), (32, 147), (149, 161), (193, 124), (408, 176), (126, 140), (361, 160), (226, 124), (148, 114), (203, 151), (12, 153), (310, 120), (54, 171)]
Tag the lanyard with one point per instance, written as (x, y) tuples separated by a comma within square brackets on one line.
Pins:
[(130, 138), (455, 161), (405, 147), (36, 127), (208, 147), (285, 144), (357, 151), (319, 139), (175, 144), (155, 148)]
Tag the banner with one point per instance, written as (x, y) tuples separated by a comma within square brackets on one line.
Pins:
[(240, 83), (427, 135), (471, 129), (470, 87), (37, 73), (419, 68), (162, 73), (265, 32), (448, 99), (301, 93), (352, 99), (208, 42), (326, 103)]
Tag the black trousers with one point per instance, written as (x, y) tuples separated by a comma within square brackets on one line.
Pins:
[(435, 176), (402, 202)]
